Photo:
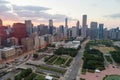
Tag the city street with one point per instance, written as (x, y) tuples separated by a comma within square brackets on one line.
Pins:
[(73, 71)]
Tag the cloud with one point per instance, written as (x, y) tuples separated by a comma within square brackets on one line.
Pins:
[(9, 16), (35, 13), (30, 8), (4, 8), (117, 15), (32, 12), (3, 2)]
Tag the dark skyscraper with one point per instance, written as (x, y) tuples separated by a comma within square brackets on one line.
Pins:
[(66, 22), (66, 28), (51, 27), (1, 24), (3, 34), (84, 23), (29, 27), (84, 26), (78, 27), (61, 29), (42, 29), (101, 31), (93, 30)]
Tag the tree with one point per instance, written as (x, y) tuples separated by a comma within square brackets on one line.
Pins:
[(9, 79), (26, 72), (35, 56)]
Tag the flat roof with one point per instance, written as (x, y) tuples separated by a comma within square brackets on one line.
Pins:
[(7, 48)]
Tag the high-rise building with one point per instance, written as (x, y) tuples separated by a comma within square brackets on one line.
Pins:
[(61, 29), (114, 33), (74, 31), (84, 26), (66, 28), (66, 22), (0, 42), (3, 35), (27, 44), (42, 29), (51, 27), (29, 27), (78, 27), (70, 32), (101, 31), (105, 33), (19, 31), (1, 24), (93, 30)]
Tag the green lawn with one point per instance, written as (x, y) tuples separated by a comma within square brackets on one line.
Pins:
[(48, 58), (69, 62), (63, 61), (109, 59), (60, 61), (52, 59), (41, 77), (83, 71), (52, 69), (31, 76), (112, 77)]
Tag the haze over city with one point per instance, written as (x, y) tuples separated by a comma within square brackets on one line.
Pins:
[(40, 11)]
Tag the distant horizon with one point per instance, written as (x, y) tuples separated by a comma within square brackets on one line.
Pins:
[(39, 12)]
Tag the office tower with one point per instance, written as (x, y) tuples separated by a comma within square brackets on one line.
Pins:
[(78, 27), (0, 42), (101, 31), (74, 31), (93, 30), (42, 29), (66, 28), (70, 32), (1, 24), (29, 27), (27, 43), (13, 41), (118, 37), (34, 29), (84, 26), (61, 29), (51, 27), (114, 33), (66, 22), (117, 33), (19, 31), (3, 35), (105, 33)]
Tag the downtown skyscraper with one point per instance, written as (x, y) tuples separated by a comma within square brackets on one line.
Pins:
[(93, 30), (51, 26), (66, 28), (29, 27), (1, 22), (84, 26), (78, 27), (101, 31)]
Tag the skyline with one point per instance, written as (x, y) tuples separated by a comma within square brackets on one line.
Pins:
[(41, 11)]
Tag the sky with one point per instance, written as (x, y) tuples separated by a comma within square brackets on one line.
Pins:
[(40, 11)]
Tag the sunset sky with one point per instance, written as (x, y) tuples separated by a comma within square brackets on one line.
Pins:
[(40, 11)]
